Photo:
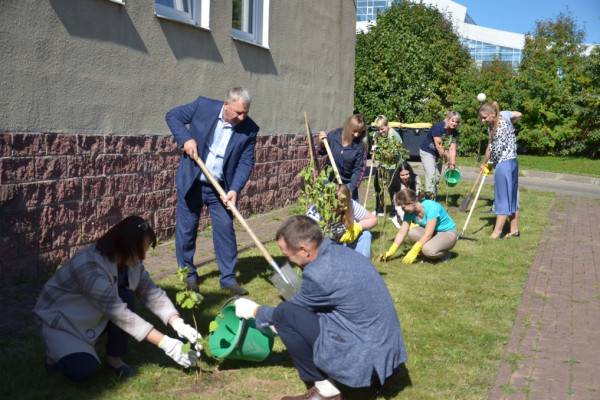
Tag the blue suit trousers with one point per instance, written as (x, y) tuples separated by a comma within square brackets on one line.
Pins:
[(189, 206)]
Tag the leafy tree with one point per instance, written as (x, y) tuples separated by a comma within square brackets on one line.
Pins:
[(498, 81), (408, 64), (587, 106), (550, 79)]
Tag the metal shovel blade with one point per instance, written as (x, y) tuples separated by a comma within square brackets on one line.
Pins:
[(286, 281)]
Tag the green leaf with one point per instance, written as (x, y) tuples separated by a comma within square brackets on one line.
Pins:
[(186, 348)]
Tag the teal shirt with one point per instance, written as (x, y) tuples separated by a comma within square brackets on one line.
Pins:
[(432, 210)]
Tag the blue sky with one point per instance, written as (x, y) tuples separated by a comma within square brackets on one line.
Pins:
[(520, 15)]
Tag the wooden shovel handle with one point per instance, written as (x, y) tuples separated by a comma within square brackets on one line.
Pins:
[(235, 212), (311, 149), (332, 161)]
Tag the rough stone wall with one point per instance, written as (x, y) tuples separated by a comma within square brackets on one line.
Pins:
[(61, 191)]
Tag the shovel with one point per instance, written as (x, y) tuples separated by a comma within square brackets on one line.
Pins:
[(311, 148), (369, 180), (285, 280), (472, 207), (332, 162), (465, 204)]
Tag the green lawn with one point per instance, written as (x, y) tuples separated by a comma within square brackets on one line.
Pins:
[(456, 318), (559, 164)]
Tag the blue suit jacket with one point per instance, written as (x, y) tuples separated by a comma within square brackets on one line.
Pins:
[(359, 330), (197, 120)]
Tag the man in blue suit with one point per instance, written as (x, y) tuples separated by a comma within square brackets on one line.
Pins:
[(224, 137), (341, 327)]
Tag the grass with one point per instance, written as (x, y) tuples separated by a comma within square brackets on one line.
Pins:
[(558, 164), (456, 319)]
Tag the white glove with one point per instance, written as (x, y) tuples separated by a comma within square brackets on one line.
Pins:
[(245, 308), (186, 331), (173, 348)]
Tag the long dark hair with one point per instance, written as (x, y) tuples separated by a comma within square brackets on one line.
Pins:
[(125, 240), (396, 183)]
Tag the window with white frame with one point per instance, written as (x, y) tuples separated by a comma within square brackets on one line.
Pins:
[(250, 21), (193, 12)]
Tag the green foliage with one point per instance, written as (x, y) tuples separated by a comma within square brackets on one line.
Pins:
[(498, 81), (189, 300), (321, 193), (408, 64), (550, 82), (388, 151), (412, 67)]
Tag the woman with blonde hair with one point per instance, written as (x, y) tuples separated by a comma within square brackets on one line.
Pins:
[(354, 222), (501, 152), (348, 151), (432, 151), (383, 129), (357, 220)]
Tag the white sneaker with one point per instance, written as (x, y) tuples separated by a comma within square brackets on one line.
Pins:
[(395, 221)]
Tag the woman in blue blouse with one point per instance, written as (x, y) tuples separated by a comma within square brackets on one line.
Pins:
[(348, 151)]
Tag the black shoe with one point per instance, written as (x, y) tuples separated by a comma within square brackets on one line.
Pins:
[(124, 371), (512, 235), (191, 283), (236, 290)]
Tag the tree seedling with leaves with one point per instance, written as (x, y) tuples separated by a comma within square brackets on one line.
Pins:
[(189, 300), (321, 193), (388, 153)]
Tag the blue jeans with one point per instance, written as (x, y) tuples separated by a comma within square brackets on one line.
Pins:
[(363, 244)]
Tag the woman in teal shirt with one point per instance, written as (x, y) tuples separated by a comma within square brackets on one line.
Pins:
[(427, 224)]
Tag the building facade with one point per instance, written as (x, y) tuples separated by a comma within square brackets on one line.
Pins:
[(484, 44), (85, 87)]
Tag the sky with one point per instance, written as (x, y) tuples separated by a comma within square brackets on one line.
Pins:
[(520, 15)]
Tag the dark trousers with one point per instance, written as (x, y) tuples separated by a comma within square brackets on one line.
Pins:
[(298, 328), (80, 366), (189, 206)]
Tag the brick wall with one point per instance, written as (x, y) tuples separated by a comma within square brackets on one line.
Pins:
[(59, 191)]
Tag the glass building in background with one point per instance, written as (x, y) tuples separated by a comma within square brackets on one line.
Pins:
[(366, 10), (484, 44)]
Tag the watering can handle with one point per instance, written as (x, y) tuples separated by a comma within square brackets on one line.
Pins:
[(229, 301)]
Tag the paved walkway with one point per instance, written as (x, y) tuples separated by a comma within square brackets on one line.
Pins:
[(554, 348), (571, 185)]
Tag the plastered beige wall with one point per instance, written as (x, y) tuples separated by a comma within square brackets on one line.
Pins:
[(93, 66)]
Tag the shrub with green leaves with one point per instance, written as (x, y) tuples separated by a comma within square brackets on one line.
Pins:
[(321, 193), (188, 300)]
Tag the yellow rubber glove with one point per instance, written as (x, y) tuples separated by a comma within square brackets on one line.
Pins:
[(412, 254), (388, 254), (351, 234), (487, 169)]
